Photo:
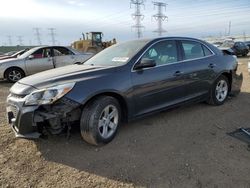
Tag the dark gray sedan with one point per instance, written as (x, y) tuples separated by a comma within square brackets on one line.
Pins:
[(123, 82)]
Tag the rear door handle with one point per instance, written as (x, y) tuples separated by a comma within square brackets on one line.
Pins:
[(178, 73), (212, 65)]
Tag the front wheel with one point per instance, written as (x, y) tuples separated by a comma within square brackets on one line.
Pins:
[(219, 91), (100, 120), (14, 74)]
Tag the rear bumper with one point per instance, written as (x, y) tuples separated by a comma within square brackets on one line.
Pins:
[(237, 80)]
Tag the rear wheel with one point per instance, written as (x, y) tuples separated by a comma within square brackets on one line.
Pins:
[(100, 120), (219, 91), (14, 74)]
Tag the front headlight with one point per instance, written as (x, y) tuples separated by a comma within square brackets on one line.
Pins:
[(48, 95)]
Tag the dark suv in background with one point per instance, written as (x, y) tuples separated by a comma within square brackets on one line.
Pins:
[(248, 44), (239, 48)]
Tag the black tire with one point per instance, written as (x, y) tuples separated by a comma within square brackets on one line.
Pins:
[(11, 71), (213, 100), (90, 117)]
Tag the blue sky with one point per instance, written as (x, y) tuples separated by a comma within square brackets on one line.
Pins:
[(196, 18)]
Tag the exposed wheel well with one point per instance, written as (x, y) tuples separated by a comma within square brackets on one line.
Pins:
[(229, 77), (120, 99), (5, 72)]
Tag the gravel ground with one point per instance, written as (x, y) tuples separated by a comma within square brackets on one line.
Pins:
[(183, 147)]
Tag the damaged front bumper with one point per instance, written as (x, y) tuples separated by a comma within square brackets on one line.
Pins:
[(24, 120), (20, 117)]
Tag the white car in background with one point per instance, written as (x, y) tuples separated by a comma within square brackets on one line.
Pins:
[(39, 59)]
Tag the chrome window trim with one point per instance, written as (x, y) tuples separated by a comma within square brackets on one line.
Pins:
[(133, 70)]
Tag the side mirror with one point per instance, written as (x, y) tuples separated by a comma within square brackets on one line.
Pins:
[(31, 57), (145, 63)]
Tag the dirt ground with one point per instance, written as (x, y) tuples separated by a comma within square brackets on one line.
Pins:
[(184, 147)]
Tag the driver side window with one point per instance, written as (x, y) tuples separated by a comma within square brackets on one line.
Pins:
[(163, 52), (42, 53)]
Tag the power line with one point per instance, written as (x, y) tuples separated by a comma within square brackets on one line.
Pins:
[(9, 40), (52, 34), (20, 40), (160, 17), (38, 35), (137, 16)]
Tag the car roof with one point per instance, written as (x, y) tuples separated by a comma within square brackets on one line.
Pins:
[(48, 46), (176, 38)]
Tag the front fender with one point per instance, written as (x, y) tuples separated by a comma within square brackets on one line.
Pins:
[(18, 64)]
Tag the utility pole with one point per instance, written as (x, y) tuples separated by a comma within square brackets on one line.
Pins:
[(38, 35), (10, 40), (229, 29), (20, 40), (160, 17), (137, 16), (52, 34), (244, 36)]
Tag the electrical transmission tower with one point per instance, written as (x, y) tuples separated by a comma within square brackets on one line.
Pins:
[(160, 17), (229, 28), (38, 35), (20, 40), (52, 34), (9, 40), (137, 16)]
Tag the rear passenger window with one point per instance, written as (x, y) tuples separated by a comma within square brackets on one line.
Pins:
[(192, 50), (206, 51), (60, 51)]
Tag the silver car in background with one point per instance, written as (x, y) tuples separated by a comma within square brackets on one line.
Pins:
[(39, 59)]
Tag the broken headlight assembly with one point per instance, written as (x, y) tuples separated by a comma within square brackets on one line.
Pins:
[(48, 95)]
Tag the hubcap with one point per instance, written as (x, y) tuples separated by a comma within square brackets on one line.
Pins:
[(108, 121), (15, 75), (221, 90)]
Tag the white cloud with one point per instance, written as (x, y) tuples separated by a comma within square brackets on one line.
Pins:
[(75, 3)]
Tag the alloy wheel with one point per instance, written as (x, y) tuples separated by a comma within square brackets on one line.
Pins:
[(108, 121), (221, 90), (15, 75)]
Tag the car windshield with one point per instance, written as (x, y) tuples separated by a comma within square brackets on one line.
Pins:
[(10, 53), (118, 54), (19, 53), (28, 53)]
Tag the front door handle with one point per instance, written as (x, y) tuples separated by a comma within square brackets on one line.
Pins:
[(178, 73), (212, 65)]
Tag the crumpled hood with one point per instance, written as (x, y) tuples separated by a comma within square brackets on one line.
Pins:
[(67, 74)]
